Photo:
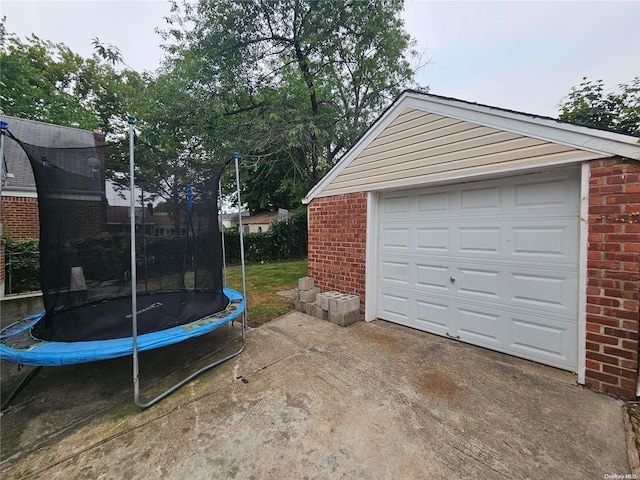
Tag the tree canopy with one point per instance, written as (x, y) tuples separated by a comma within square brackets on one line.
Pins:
[(590, 105), (46, 81), (290, 83)]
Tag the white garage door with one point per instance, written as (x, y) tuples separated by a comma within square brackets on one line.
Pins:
[(491, 263)]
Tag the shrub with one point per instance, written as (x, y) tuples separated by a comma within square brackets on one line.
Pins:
[(22, 265), (283, 241)]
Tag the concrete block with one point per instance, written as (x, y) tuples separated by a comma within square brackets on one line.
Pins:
[(323, 299), (309, 296), (344, 303), (306, 283), (317, 311), (309, 308), (300, 306), (343, 319)]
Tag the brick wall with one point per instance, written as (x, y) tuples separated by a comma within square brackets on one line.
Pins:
[(20, 217), (613, 277), (337, 243)]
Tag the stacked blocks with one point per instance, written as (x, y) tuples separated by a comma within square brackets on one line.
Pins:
[(339, 308)]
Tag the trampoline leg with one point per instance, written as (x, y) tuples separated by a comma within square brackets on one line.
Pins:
[(20, 386), (186, 380)]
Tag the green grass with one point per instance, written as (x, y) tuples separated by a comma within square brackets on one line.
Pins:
[(263, 283)]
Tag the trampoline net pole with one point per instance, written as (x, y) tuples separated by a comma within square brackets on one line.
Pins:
[(3, 128), (244, 280), (134, 300), (224, 254)]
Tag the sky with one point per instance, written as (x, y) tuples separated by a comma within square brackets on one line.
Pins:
[(518, 55)]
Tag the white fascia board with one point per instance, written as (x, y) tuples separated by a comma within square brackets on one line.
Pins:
[(583, 138)]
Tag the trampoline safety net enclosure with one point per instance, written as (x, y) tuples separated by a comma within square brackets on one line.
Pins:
[(85, 268)]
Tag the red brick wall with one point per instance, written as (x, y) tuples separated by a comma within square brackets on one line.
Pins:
[(337, 243), (20, 218), (613, 277)]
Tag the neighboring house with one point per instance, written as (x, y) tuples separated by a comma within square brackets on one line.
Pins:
[(230, 220), (119, 219), (509, 231), (261, 222), (19, 201)]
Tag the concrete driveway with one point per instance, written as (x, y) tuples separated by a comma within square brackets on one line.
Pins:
[(309, 399)]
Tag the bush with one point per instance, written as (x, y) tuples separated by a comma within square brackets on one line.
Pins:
[(283, 241), (22, 265)]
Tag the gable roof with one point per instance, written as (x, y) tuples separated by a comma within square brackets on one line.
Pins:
[(417, 131), (41, 134)]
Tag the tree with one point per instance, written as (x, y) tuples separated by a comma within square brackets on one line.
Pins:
[(45, 81), (618, 110), (290, 83)]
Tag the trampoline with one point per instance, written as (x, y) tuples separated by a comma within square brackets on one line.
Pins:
[(103, 296)]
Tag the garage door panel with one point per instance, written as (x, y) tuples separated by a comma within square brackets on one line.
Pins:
[(544, 291), (432, 203), (396, 205), (396, 272), (434, 316), (492, 262), (545, 240), (434, 239), (433, 277), (544, 340), (477, 282), (395, 238), (479, 324), (473, 198), (395, 306), (479, 240), (548, 194)]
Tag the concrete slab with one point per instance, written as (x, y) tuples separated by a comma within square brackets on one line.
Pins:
[(309, 399)]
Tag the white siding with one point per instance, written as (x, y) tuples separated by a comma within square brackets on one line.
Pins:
[(419, 148)]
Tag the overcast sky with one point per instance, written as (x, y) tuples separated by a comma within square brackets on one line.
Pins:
[(523, 56)]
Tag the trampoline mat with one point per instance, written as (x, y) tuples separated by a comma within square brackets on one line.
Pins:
[(111, 319)]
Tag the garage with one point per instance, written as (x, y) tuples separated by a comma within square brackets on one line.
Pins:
[(505, 230), (491, 263)]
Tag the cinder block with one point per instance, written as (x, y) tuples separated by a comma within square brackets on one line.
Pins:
[(309, 296), (344, 303), (344, 319), (309, 308), (305, 283), (300, 306), (317, 311), (297, 293), (323, 299)]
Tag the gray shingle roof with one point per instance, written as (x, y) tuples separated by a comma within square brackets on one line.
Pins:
[(36, 133)]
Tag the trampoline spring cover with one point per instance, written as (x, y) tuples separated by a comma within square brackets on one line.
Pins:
[(18, 346)]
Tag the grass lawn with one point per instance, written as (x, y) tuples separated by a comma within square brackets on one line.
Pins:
[(263, 283)]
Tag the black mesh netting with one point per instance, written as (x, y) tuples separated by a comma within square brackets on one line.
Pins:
[(85, 270)]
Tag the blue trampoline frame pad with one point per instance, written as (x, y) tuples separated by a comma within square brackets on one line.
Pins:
[(46, 353)]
